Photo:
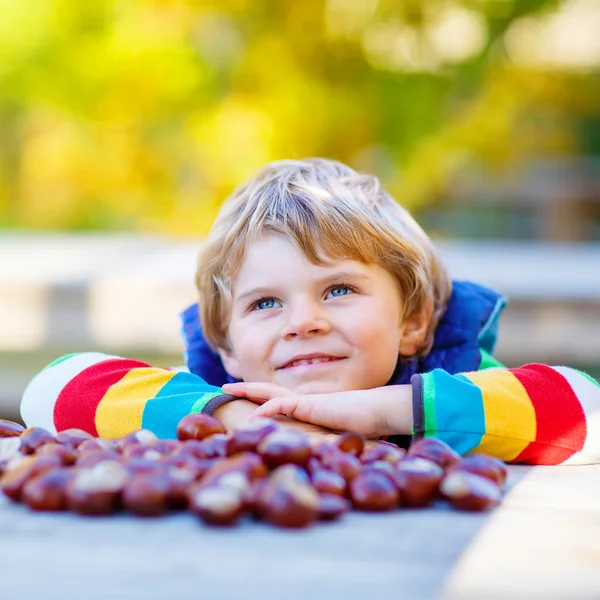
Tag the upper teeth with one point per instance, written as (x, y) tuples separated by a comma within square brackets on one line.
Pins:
[(310, 361)]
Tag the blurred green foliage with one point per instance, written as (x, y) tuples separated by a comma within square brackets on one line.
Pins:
[(119, 114)]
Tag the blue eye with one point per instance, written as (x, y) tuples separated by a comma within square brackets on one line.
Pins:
[(339, 290), (265, 303)]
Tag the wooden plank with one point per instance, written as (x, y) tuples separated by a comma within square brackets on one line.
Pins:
[(543, 542)]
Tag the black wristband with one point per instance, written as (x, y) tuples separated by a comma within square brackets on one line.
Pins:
[(217, 402)]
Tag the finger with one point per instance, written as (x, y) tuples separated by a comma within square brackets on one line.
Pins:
[(234, 389), (285, 405), (256, 391)]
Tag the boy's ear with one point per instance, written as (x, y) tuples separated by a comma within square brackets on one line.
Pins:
[(230, 363), (414, 330)]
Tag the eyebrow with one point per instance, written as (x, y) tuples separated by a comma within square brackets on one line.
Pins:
[(338, 276)]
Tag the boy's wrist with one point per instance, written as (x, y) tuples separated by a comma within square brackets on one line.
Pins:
[(395, 410)]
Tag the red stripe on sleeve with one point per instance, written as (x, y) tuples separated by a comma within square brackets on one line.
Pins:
[(77, 402), (560, 421)]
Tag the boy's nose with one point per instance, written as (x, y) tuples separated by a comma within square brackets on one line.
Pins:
[(305, 319)]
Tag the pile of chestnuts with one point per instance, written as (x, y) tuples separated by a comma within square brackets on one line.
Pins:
[(263, 469)]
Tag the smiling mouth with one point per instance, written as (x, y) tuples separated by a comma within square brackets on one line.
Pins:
[(310, 361)]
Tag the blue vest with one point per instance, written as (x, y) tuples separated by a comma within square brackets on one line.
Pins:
[(469, 324)]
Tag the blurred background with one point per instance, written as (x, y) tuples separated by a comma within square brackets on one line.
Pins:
[(125, 123)]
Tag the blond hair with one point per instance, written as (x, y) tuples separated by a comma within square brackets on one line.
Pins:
[(332, 213)]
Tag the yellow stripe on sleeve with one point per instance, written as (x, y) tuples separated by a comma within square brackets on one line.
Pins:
[(510, 422), (121, 409)]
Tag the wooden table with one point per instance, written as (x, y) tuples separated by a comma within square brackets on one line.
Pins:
[(543, 542)]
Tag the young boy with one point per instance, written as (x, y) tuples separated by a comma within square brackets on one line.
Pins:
[(320, 295)]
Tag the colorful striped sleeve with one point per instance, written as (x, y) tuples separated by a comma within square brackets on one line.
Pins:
[(109, 396), (535, 414)]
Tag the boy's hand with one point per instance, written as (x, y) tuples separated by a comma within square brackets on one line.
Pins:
[(372, 413), (236, 412)]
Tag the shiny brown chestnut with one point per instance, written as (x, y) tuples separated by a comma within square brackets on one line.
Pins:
[(417, 481), (14, 478), (484, 465), (9, 448), (198, 426), (374, 491), (143, 437), (285, 446), (97, 490), (328, 482), (219, 505), (34, 437), (332, 506), (47, 491), (179, 479), (351, 442), (216, 445), (93, 457), (247, 436), (467, 491), (436, 451), (10, 429), (347, 465), (146, 494), (73, 438), (379, 465), (386, 452), (249, 464), (94, 444), (140, 451), (287, 501), (65, 454)]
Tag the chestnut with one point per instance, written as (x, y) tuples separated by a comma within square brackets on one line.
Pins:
[(73, 437), (93, 457), (198, 426), (65, 454), (379, 451), (374, 491), (285, 446), (436, 451), (143, 437), (328, 482), (15, 477), (196, 467), (286, 501), (247, 436), (484, 465), (379, 465), (9, 448), (247, 463), (347, 465), (146, 494), (166, 447), (47, 491), (193, 449), (217, 505), (179, 479), (467, 491), (94, 444), (96, 490), (215, 445), (332, 506), (34, 437), (417, 481), (351, 442), (10, 429), (140, 451)]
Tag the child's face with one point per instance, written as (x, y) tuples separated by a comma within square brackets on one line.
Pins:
[(312, 328)]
